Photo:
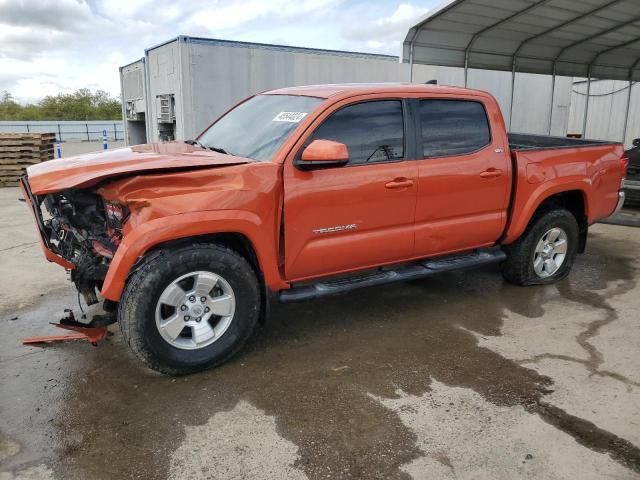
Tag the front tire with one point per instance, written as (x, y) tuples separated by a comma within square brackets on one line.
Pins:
[(546, 250), (189, 308)]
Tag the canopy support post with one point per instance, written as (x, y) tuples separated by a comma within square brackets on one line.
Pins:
[(466, 66), (626, 113), (513, 86), (553, 92), (411, 62), (586, 106), (626, 116)]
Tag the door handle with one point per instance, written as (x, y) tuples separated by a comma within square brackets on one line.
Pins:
[(399, 183), (491, 173)]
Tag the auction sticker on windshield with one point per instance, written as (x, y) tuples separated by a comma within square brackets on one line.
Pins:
[(293, 117)]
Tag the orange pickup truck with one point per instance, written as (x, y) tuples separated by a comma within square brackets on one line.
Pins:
[(309, 191)]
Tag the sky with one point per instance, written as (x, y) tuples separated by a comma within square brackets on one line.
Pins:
[(53, 46)]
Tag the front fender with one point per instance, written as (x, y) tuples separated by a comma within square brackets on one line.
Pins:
[(155, 232)]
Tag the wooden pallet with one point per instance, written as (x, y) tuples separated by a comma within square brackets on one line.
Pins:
[(28, 148), (19, 161), (13, 176), (6, 184), (20, 139), (42, 156), (27, 136), (14, 168), (9, 181), (20, 150)]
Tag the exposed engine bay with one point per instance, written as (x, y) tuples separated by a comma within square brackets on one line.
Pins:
[(84, 229)]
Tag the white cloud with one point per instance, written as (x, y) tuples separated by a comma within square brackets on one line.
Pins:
[(404, 13), (224, 15), (386, 32), (124, 8), (61, 15), (48, 46)]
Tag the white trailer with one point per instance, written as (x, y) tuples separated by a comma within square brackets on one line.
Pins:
[(134, 101), (188, 82), (182, 85)]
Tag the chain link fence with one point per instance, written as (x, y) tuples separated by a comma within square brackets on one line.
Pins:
[(68, 130)]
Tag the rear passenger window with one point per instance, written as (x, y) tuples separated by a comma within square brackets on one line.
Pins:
[(372, 131), (453, 127)]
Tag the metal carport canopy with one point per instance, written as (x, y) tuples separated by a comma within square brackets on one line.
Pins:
[(575, 38)]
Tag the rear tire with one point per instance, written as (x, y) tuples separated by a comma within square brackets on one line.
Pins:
[(546, 250), (189, 308)]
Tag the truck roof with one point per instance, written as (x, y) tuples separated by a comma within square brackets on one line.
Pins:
[(346, 89)]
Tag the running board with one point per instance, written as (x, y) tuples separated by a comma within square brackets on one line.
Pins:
[(421, 269)]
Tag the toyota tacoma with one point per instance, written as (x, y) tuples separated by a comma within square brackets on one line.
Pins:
[(309, 191)]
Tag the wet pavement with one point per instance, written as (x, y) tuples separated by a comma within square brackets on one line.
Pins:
[(456, 376), (629, 217)]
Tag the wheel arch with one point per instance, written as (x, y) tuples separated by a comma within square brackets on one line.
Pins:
[(239, 243), (236, 241), (574, 198), (239, 231), (575, 202)]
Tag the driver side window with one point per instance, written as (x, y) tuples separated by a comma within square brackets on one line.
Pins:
[(372, 131)]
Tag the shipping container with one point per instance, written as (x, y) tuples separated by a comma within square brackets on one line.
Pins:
[(182, 85), (187, 82), (134, 101)]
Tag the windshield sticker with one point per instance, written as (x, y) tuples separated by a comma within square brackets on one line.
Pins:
[(292, 117)]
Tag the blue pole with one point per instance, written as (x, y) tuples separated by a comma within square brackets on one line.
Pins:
[(59, 149), (104, 139)]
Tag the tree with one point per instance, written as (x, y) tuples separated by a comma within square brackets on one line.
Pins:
[(8, 106), (79, 105)]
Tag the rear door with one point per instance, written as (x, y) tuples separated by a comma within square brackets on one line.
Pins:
[(464, 175), (359, 214)]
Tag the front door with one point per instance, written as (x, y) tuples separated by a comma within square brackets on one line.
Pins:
[(356, 215), (464, 177)]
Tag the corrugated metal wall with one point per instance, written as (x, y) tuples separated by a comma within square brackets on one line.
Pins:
[(133, 80), (133, 91), (532, 95), (607, 107), (165, 78)]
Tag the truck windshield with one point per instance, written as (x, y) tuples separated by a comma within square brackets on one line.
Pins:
[(258, 127)]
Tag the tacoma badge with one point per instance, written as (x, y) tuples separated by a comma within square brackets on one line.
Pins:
[(338, 228)]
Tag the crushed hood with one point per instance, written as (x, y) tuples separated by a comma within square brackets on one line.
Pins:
[(89, 169)]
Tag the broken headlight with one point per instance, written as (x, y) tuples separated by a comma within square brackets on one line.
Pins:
[(116, 214)]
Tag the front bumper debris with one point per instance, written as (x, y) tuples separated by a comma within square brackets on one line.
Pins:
[(93, 333), (47, 248)]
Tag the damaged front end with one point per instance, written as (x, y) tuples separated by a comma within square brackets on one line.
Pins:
[(81, 231)]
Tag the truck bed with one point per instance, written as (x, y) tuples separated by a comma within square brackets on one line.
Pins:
[(544, 165), (524, 141)]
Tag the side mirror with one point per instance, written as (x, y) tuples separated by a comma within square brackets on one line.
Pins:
[(323, 154), (636, 142)]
